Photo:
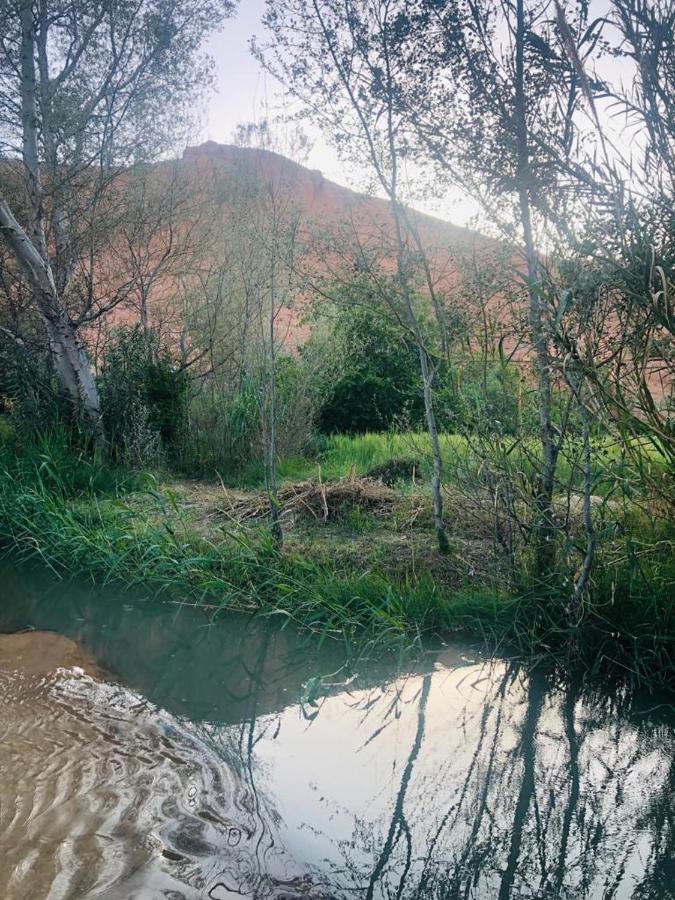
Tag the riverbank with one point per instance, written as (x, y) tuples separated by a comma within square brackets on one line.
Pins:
[(358, 560)]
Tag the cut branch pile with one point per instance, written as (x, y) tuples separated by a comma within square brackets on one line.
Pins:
[(325, 502)]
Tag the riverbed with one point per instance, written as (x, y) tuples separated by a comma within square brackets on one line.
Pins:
[(152, 749)]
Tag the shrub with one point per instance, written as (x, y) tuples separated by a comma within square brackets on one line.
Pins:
[(226, 431), (378, 383), (143, 398), (379, 386), (479, 397), (28, 390)]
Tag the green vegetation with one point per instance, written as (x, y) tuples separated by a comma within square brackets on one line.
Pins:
[(477, 429), (144, 397), (378, 382), (179, 501), (366, 571)]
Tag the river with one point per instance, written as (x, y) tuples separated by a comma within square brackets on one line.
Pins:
[(156, 750)]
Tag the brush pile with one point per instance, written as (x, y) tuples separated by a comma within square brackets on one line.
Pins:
[(325, 502)]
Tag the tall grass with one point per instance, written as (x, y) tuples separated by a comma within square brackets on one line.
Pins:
[(337, 456), (81, 518), (78, 517)]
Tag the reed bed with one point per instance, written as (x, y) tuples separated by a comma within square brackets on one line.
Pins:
[(81, 519)]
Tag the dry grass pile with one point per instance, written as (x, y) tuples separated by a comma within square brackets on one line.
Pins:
[(325, 502)]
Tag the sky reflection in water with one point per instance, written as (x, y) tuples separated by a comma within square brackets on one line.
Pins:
[(232, 758)]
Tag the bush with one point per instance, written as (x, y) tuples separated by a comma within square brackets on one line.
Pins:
[(29, 393), (378, 383), (143, 398), (226, 431), (490, 398)]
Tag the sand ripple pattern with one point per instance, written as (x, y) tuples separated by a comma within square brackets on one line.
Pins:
[(104, 795)]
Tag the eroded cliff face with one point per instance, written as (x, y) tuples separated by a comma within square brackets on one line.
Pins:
[(209, 190)]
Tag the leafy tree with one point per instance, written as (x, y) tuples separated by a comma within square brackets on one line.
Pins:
[(86, 88), (378, 381), (144, 397), (345, 63)]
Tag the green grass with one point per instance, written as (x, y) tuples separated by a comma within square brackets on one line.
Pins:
[(106, 539), (6, 431), (82, 518), (341, 455)]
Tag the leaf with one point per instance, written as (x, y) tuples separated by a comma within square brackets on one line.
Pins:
[(311, 690), (565, 298)]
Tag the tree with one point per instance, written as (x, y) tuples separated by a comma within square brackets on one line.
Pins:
[(85, 88), (344, 63), (267, 230), (624, 267), (499, 118), (378, 381)]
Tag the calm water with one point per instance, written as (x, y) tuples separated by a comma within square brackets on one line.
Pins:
[(152, 751)]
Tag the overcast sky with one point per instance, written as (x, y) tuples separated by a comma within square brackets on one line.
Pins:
[(244, 92)]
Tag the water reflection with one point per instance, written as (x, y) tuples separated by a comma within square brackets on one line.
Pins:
[(246, 764)]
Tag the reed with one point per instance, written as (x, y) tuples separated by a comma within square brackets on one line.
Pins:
[(81, 518)]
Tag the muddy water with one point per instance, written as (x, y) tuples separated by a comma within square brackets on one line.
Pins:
[(151, 750)]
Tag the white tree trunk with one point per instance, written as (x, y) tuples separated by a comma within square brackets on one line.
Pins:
[(437, 471), (30, 249), (68, 355), (428, 375), (546, 525)]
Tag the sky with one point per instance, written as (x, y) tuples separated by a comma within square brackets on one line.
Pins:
[(244, 92)]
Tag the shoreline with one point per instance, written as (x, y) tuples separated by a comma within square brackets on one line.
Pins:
[(367, 575)]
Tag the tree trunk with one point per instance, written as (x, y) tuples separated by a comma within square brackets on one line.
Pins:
[(437, 476), (271, 474), (582, 578), (30, 249), (545, 525), (427, 381), (68, 355), (275, 508)]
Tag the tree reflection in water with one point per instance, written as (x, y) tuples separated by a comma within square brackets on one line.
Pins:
[(508, 786), (457, 779), (541, 807)]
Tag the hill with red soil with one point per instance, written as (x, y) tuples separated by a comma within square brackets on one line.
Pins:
[(338, 225), (320, 199)]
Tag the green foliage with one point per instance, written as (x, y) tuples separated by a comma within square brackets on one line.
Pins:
[(396, 469), (110, 538), (143, 398), (28, 390), (80, 516), (474, 395), (378, 384), (226, 421), (378, 381), (51, 461), (224, 430), (6, 430)]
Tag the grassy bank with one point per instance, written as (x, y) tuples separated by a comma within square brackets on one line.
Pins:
[(358, 559)]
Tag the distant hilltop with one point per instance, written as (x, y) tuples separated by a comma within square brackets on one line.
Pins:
[(316, 194)]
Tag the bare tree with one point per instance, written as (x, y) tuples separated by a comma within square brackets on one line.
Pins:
[(268, 229), (343, 62), (497, 120)]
